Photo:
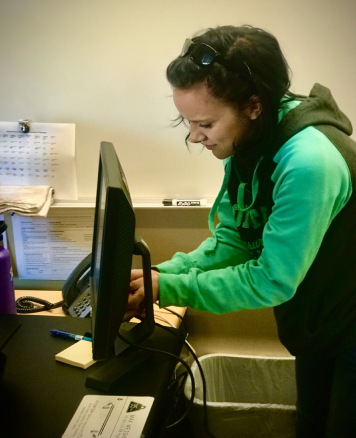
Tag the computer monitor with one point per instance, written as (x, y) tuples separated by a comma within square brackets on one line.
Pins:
[(114, 244)]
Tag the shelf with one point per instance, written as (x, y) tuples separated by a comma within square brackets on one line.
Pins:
[(80, 203), (169, 207), (90, 203)]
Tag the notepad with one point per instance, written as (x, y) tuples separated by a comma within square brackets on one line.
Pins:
[(79, 355)]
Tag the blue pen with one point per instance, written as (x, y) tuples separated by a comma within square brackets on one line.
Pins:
[(63, 334)]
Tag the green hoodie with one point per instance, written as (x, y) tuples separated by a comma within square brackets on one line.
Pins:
[(260, 253)]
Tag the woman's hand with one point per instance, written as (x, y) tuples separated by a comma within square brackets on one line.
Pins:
[(135, 304)]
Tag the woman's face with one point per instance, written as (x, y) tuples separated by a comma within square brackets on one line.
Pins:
[(216, 125)]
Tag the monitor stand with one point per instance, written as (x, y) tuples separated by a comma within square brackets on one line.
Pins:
[(127, 359)]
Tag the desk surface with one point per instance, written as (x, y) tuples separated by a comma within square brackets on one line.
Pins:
[(56, 295), (39, 395)]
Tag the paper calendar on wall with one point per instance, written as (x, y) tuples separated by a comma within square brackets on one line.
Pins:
[(43, 156)]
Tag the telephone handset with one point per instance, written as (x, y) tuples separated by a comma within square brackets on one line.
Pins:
[(76, 290)]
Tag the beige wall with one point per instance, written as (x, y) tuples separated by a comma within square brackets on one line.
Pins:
[(101, 65)]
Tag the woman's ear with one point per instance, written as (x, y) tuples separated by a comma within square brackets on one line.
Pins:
[(254, 108)]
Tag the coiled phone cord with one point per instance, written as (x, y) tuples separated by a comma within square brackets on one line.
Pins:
[(30, 305)]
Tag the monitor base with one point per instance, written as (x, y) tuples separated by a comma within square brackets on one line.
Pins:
[(109, 375)]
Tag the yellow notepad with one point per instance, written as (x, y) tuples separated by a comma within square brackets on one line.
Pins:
[(79, 355)]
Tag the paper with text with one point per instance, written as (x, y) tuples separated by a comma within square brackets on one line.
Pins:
[(108, 416), (50, 248), (43, 156)]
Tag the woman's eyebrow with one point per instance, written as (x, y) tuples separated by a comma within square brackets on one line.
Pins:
[(200, 121)]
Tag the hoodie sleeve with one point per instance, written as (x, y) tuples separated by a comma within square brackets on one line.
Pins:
[(224, 249), (312, 184)]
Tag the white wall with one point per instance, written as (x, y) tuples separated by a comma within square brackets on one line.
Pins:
[(101, 65)]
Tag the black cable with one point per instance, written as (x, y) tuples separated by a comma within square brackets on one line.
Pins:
[(205, 408), (26, 305), (180, 317), (179, 360), (184, 374), (175, 313), (182, 383), (179, 390)]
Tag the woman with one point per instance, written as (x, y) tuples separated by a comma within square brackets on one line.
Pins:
[(287, 211)]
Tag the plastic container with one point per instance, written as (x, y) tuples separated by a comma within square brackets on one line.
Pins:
[(7, 294), (247, 396)]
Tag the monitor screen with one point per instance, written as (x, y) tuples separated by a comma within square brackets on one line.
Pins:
[(114, 243)]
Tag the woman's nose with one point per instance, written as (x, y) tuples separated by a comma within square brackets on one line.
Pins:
[(196, 135)]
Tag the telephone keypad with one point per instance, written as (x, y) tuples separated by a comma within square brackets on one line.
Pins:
[(81, 306)]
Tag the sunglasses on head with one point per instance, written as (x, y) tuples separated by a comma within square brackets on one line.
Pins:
[(204, 55)]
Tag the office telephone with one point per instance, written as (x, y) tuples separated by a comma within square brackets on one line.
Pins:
[(76, 291)]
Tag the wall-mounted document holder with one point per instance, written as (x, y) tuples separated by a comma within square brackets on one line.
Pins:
[(42, 155)]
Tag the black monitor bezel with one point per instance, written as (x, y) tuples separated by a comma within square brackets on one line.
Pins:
[(108, 308)]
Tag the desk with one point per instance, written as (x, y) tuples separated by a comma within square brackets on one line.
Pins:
[(39, 395)]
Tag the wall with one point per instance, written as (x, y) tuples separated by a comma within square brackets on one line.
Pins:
[(101, 65)]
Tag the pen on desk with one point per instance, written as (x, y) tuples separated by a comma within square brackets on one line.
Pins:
[(63, 334), (184, 202)]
